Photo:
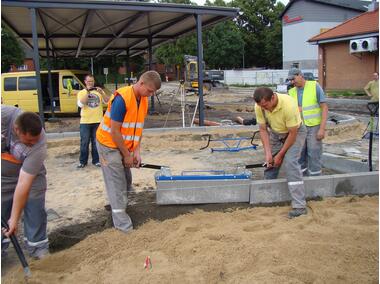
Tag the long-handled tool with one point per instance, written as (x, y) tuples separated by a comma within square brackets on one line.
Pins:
[(18, 249), (151, 166), (252, 166)]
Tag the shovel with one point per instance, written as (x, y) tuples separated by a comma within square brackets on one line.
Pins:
[(18, 249)]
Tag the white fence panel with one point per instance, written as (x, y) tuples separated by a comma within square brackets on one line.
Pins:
[(258, 77)]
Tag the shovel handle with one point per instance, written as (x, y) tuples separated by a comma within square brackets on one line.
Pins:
[(18, 249), (253, 166), (150, 166)]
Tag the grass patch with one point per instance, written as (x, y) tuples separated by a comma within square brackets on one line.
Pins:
[(345, 94)]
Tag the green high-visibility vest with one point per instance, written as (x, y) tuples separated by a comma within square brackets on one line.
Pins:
[(311, 110)]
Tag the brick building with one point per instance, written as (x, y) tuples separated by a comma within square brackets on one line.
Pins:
[(339, 66)]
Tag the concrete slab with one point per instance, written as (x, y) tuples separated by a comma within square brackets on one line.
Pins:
[(275, 191), (202, 191)]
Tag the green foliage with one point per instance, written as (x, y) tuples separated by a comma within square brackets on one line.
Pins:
[(337, 94), (255, 34), (66, 63), (260, 24), (11, 51), (223, 46), (112, 63)]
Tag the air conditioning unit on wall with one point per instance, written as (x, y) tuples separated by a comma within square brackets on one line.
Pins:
[(363, 45)]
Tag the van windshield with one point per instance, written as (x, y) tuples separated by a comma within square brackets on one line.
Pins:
[(81, 78)]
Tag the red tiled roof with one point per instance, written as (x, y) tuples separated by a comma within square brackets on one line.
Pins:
[(367, 22)]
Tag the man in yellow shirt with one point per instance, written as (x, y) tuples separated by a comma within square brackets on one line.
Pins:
[(90, 101), (372, 88), (283, 136)]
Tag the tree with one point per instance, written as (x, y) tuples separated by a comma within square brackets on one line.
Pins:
[(260, 23), (11, 51), (223, 46)]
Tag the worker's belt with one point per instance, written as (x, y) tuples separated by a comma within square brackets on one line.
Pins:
[(10, 158)]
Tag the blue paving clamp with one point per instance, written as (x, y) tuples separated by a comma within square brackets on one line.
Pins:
[(231, 144), (165, 174)]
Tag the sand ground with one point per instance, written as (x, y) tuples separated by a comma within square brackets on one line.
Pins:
[(337, 242)]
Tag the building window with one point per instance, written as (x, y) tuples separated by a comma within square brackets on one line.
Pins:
[(10, 84), (27, 83), (295, 65)]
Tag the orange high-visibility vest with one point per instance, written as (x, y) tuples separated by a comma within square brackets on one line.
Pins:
[(132, 127)]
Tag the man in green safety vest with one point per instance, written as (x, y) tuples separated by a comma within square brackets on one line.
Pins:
[(314, 111)]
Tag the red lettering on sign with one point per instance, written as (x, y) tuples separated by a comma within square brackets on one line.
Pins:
[(288, 20)]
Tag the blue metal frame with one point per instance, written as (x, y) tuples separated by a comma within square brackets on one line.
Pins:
[(215, 175), (233, 148), (205, 177)]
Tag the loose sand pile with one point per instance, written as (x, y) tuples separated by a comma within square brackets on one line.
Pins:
[(337, 242)]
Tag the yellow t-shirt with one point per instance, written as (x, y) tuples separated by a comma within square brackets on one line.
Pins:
[(92, 112), (373, 88), (284, 116)]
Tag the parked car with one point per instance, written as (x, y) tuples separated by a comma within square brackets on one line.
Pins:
[(309, 76), (287, 85)]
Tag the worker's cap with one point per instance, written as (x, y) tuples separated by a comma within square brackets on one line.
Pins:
[(294, 72)]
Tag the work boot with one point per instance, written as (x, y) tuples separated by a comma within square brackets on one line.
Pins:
[(39, 253), (296, 212)]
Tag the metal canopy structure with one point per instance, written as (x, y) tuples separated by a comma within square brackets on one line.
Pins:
[(73, 28), (94, 28)]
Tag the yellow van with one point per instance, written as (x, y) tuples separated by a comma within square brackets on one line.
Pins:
[(20, 89)]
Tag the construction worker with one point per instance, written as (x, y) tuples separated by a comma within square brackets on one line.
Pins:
[(314, 112), (118, 141), (372, 88), (90, 100), (23, 178), (283, 136)]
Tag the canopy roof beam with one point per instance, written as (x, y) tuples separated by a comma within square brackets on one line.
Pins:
[(121, 32), (89, 16)]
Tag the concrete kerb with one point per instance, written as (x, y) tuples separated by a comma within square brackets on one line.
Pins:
[(264, 192), (168, 130), (342, 164), (343, 120), (202, 191), (276, 191)]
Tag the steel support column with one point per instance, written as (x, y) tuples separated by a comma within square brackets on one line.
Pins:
[(128, 68), (200, 68), (150, 51), (50, 84), (36, 60), (92, 66), (117, 71)]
